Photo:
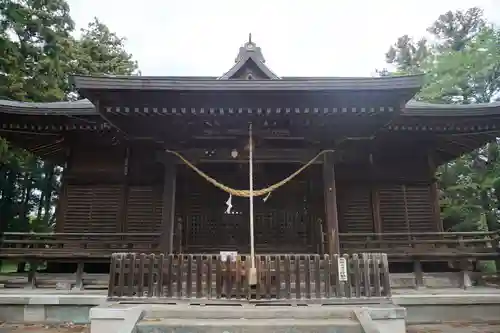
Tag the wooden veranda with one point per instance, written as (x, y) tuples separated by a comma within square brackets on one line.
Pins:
[(89, 247), (458, 248)]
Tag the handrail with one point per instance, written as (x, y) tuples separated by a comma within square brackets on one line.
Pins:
[(152, 234), (80, 234), (406, 234)]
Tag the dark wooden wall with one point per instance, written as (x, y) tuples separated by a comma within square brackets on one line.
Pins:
[(401, 208), (389, 195), (104, 191), (119, 189)]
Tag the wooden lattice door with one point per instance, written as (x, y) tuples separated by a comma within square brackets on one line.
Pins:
[(284, 222)]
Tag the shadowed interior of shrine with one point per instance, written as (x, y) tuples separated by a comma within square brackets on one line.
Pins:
[(288, 219)]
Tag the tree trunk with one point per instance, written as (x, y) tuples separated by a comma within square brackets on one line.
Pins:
[(40, 207), (24, 213)]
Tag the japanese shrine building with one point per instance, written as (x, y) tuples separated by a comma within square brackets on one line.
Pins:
[(376, 178)]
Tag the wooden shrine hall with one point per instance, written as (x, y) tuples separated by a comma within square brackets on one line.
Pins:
[(369, 186)]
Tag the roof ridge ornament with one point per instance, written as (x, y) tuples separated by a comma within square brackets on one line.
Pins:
[(250, 46), (250, 51)]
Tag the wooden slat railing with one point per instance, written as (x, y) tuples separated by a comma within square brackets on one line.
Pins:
[(481, 245), (74, 245), (17, 245), (201, 276)]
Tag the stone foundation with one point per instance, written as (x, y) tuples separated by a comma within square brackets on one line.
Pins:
[(52, 309), (433, 280), (423, 306)]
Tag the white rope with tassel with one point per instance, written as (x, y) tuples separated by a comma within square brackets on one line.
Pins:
[(229, 204)]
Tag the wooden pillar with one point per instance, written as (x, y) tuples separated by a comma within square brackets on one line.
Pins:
[(436, 207), (61, 205), (375, 201), (122, 214), (168, 203), (331, 221)]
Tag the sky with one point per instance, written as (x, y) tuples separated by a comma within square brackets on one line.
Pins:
[(297, 37)]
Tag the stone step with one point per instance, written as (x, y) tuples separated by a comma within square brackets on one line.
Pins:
[(248, 326), (166, 318), (159, 311)]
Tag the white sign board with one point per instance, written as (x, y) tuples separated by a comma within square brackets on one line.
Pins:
[(228, 254), (342, 264)]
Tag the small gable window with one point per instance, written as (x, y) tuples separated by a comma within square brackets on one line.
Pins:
[(249, 76)]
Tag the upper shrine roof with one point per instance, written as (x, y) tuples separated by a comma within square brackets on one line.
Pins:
[(413, 82), (289, 112), (249, 73)]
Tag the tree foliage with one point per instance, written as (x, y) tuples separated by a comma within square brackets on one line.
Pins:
[(33, 37), (101, 51), (461, 63), (37, 54)]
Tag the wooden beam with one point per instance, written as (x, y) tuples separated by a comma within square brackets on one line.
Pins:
[(332, 223), (262, 155), (168, 202)]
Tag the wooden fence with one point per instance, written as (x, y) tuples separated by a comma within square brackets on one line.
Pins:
[(202, 276)]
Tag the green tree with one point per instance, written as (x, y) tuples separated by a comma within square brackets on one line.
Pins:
[(462, 66), (33, 35), (100, 51), (408, 55), (37, 55)]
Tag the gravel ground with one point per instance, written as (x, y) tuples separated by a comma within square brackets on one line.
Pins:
[(435, 328), (455, 328), (68, 328)]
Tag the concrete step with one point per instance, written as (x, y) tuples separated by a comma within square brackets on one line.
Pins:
[(164, 318), (248, 326), (159, 311)]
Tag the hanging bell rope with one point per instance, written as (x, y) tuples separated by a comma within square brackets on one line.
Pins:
[(246, 193)]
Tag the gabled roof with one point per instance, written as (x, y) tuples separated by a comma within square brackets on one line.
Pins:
[(249, 73), (250, 56)]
